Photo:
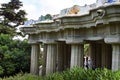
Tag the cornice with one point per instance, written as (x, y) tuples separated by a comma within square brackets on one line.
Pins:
[(112, 14)]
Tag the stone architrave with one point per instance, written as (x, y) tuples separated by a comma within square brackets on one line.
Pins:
[(77, 52)]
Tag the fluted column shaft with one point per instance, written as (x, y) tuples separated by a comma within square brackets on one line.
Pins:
[(60, 57), (106, 56), (77, 52), (44, 60), (51, 58), (34, 69), (116, 57)]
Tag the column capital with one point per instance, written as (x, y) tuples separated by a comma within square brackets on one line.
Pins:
[(50, 42), (74, 42), (34, 43), (112, 40)]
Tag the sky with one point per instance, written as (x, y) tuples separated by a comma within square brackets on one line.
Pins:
[(36, 8)]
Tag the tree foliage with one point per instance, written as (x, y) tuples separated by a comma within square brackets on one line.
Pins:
[(14, 55), (7, 30), (11, 13), (48, 17)]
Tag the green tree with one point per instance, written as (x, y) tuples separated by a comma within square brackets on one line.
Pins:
[(11, 13), (7, 30), (41, 18), (48, 16), (14, 55)]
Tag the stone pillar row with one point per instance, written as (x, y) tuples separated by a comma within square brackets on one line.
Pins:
[(55, 57), (101, 55), (55, 60), (58, 57)]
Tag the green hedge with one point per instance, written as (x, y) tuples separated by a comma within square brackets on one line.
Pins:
[(74, 74)]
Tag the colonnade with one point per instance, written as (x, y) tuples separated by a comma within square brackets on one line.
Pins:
[(60, 56)]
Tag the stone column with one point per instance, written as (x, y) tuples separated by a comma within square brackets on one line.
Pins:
[(106, 55), (67, 56), (93, 53), (51, 58), (77, 52), (116, 57), (60, 57), (44, 60), (96, 54), (34, 69)]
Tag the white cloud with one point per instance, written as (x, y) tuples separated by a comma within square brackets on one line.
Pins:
[(4, 1), (32, 11), (35, 8), (54, 6), (32, 8), (83, 2)]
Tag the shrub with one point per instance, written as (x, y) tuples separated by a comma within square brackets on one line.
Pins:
[(22, 76), (1, 70), (54, 76), (117, 75), (73, 74)]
